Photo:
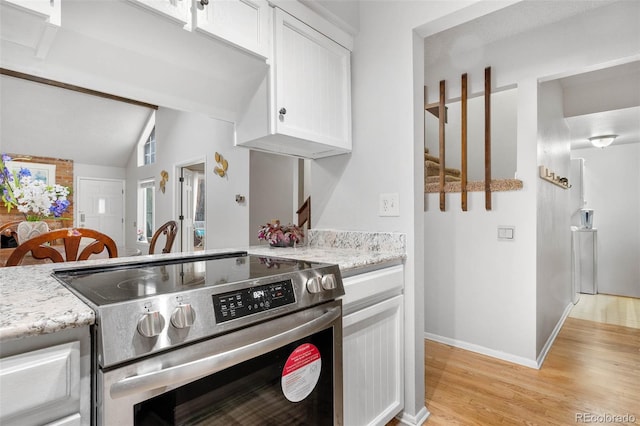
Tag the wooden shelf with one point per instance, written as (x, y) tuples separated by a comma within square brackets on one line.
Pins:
[(551, 177)]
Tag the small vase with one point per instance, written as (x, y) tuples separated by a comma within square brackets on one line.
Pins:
[(282, 244), (27, 230)]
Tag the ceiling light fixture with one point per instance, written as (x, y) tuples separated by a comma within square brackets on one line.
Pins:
[(602, 141)]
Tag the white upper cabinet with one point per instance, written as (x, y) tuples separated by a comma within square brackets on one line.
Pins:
[(303, 107), (178, 10), (243, 23), (30, 23), (48, 9), (312, 97)]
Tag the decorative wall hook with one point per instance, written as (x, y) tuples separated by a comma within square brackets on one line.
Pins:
[(550, 176), (164, 177), (221, 168)]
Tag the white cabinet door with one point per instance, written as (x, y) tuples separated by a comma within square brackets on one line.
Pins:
[(243, 23), (48, 9), (302, 106), (373, 363), (178, 10), (41, 386), (312, 84), (30, 23)]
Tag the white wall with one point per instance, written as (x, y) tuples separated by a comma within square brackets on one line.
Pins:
[(612, 184), (183, 137), (492, 304), (94, 171), (271, 191), (388, 137), (481, 292), (554, 214)]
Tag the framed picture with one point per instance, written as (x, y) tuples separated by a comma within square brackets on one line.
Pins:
[(39, 171)]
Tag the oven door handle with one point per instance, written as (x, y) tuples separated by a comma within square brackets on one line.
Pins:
[(218, 362)]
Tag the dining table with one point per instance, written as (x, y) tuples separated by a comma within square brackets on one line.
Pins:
[(123, 251)]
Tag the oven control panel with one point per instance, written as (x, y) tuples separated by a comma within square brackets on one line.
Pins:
[(241, 303)]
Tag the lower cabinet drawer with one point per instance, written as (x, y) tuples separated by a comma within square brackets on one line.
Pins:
[(41, 386)]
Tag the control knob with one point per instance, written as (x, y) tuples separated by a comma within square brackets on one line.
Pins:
[(150, 324), (314, 285), (183, 316), (329, 282)]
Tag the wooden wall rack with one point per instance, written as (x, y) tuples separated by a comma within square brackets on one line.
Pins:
[(549, 176)]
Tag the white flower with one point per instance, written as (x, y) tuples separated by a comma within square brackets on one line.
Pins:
[(36, 198)]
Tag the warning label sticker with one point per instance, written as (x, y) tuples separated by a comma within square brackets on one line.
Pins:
[(301, 372)]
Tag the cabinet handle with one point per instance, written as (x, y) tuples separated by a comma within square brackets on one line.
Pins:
[(282, 111)]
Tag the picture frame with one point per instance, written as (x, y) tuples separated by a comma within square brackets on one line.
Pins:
[(39, 171)]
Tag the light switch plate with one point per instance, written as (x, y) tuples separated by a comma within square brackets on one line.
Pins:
[(506, 233), (389, 205)]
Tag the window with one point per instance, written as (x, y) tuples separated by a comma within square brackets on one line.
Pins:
[(150, 148), (147, 142), (146, 203)]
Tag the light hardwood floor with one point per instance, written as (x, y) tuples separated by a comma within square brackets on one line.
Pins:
[(592, 369), (608, 309)]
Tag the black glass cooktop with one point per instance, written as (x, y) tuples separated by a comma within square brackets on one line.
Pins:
[(120, 283)]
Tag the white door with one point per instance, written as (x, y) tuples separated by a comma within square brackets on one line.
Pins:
[(187, 212), (100, 206)]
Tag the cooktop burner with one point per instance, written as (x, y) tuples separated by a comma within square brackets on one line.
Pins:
[(113, 284)]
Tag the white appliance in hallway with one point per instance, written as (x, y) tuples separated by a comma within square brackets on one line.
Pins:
[(584, 261)]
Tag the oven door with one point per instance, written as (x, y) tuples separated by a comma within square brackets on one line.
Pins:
[(283, 371)]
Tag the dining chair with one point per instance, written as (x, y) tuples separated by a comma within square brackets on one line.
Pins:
[(9, 231), (170, 229), (43, 246)]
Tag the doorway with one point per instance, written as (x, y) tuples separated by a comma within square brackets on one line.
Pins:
[(100, 206), (192, 207)]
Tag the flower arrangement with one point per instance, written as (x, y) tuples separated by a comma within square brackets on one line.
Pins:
[(33, 198), (279, 235)]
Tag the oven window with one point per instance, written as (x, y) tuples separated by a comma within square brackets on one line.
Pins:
[(255, 392)]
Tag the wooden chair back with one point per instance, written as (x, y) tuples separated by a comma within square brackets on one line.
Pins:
[(170, 229), (40, 247), (10, 229)]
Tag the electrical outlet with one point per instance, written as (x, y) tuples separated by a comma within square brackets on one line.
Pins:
[(389, 205)]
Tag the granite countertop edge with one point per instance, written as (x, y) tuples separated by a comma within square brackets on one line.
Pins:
[(34, 303)]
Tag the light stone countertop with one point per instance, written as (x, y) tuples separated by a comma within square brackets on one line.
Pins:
[(32, 302), (351, 261)]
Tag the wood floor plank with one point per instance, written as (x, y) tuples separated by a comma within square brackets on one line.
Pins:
[(592, 368)]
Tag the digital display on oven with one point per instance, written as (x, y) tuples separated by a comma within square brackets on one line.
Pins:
[(252, 300)]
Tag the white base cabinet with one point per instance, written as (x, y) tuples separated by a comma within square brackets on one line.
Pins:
[(46, 382), (373, 356)]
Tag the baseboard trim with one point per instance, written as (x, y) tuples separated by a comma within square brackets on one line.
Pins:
[(553, 335), (418, 419), (482, 350)]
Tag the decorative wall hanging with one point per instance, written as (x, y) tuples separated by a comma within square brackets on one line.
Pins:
[(551, 177), (448, 179), (164, 177), (221, 168)]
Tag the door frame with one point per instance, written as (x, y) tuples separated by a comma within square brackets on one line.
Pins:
[(178, 198)]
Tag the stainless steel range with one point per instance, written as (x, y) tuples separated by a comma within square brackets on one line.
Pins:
[(226, 339)]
